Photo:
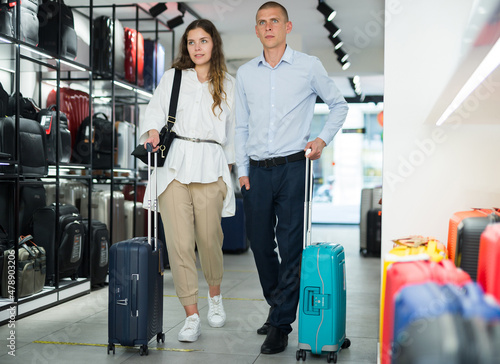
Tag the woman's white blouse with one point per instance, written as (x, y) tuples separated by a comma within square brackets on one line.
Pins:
[(191, 162)]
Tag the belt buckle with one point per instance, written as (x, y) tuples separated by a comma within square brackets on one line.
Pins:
[(266, 163)]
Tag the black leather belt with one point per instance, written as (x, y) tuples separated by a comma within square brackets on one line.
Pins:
[(273, 162)]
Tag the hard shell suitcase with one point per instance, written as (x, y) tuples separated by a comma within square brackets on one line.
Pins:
[(75, 104), (455, 222), (95, 260), (65, 248), (448, 338), (108, 36), (468, 239), (135, 312), (400, 274), (322, 303), (488, 267), (125, 144), (429, 300), (113, 216), (154, 63), (365, 206), (134, 56), (131, 222), (374, 231)]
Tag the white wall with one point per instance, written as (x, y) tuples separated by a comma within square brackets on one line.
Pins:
[(430, 171)]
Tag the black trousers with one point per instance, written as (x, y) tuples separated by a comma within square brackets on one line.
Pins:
[(274, 209)]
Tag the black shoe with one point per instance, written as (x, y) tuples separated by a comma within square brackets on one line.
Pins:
[(276, 341), (264, 328)]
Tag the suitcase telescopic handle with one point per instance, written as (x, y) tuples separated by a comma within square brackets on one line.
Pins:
[(152, 204), (308, 200)]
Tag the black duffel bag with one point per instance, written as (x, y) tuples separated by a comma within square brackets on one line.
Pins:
[(47, 119), (101, 139), (33, 148)]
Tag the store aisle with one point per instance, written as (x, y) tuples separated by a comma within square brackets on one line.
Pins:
[(76, 331)]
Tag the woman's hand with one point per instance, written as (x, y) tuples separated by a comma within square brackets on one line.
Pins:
[(154, 139)]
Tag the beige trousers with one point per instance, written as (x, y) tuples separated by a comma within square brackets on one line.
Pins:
[(191, 216)]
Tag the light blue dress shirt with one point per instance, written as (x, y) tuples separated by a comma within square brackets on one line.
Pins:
[(275, 106)]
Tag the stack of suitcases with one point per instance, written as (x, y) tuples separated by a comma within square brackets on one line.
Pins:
[(442, 305)]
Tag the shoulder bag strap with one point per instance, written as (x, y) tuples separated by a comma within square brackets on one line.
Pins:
[(174, 98)]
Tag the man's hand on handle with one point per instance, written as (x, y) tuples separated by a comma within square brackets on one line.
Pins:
[(245, 181), (316, 147)]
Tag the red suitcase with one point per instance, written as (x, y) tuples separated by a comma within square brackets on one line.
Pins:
[(403, 274), (488, 268), (75, 104), (134, 52)]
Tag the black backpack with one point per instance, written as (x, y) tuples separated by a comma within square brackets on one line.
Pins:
[(48, 17), (101, 139)]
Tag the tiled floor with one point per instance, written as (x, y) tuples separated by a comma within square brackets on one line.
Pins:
[(76, 331)]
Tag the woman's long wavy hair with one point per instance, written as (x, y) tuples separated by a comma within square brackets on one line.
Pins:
[(217, 61)]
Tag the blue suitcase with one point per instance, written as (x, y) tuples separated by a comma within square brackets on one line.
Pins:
[(235, 237), (322, 303), (154, 63), (135, 312)]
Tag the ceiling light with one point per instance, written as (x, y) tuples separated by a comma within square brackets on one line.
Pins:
[(175, 22), (342, 56), (332, 28), (337, 42), (157, 9), (345, 65), (487, 65), (327, 11)]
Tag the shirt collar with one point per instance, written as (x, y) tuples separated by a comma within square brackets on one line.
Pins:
[(287, 57)]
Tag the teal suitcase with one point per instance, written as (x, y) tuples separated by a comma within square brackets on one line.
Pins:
[(322, 304)]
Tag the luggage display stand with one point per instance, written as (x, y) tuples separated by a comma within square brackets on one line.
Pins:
[(322, 304)]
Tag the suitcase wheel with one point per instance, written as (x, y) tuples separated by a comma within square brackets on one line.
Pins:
[(332, 356), (143, 350), (111, 347), (346, 343), (300, 354), (160, 337)]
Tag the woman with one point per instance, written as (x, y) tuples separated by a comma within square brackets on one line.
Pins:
[(194, 185)]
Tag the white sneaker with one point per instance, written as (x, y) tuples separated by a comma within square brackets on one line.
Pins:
[(191, 329), (216, 315)]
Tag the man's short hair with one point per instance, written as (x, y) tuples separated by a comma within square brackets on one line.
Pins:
[(274, 4)]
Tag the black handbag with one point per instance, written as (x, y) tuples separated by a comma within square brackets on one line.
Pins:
[(166, 133)]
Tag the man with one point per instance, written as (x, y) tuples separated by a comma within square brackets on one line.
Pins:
[(275, 98)]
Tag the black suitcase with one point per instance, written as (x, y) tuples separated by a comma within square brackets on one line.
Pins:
[(33, 148), (95, 260), (47, 118), (67, 247), (108, 35), (31, 198), (450, 339), (48, 15), (135, 313), (374, 232), (7, 193), (29, 20), (468, 239)]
